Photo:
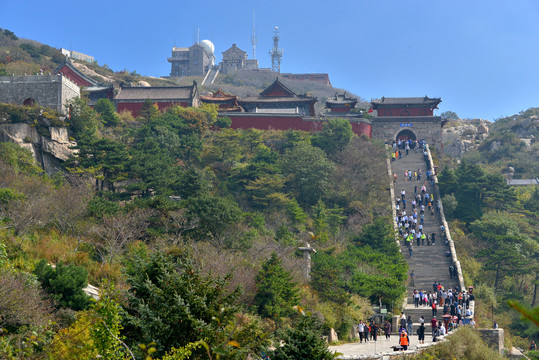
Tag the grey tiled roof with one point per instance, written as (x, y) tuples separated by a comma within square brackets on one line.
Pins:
[(406, 100), (154, 93), (290, 99), (522, 182)]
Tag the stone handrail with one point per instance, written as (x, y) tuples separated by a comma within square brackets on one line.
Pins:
[(393, 207), (444, 222)]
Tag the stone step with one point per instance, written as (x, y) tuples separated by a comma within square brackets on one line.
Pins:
[(429, 263)]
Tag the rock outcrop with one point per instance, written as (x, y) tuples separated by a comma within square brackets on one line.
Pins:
[(462, 136), (50, 152)]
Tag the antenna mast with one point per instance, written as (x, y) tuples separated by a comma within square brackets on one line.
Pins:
[(276, 53), (253, 37)]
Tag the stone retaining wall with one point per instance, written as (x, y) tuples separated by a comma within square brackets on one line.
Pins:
[(454, 257), (52, 91)]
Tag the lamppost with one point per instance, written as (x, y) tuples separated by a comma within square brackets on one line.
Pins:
[(307, 250)]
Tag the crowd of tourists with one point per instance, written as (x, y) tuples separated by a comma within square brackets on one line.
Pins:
[(411, 224), (369, 331), (452, 301), (411, 210), (403, 147)]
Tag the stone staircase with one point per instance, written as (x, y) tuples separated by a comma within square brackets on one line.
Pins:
[(429, 263)]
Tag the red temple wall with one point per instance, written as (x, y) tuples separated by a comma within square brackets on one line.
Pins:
[(405, 112), (289, 123)]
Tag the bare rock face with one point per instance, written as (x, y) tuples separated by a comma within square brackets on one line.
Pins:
[(59, 144), (465, 136), (50, 152)]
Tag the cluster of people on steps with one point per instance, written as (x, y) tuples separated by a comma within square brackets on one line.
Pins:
[(411, 225), (403, 147), (454, 303)]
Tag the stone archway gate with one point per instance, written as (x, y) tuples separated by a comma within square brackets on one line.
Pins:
[(428, 128)]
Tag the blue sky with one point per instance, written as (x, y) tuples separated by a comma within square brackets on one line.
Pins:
[(480, 57)]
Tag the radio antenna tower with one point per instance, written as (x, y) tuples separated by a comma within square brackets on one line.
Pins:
[(276, 53), (253, 37)]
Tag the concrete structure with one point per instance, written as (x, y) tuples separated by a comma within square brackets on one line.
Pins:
[(77, 55), (493, 338), (195, 60), (236, 59), (52, 91), (132, 98), (408, 118), (522, 182), (316, 77)]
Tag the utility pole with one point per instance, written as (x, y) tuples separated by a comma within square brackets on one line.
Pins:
[(276, 53)]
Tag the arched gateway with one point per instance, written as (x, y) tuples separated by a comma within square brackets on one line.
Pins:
[(416, 120), (406, 135)]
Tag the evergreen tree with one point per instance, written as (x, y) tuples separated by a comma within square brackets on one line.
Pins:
[(105, 108), (172, 304), (308, 172), (303, 341), (276, 292), (335, 136), (506, 252), (64, 283)]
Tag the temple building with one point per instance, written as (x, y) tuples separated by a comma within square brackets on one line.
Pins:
[(279, 108), (91, 87), (235, 59), (132, 98), (278, 99), (195, 60), (340, 104), (225, 102), (408, 118), (410, 106)]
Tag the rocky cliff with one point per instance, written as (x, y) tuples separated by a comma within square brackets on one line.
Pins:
[(49, 148), (460, 136)]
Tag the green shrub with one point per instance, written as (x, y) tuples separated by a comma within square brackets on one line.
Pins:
[(65, 284)]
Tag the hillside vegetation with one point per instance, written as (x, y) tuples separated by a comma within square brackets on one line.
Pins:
[(495, 226), (175, 205)]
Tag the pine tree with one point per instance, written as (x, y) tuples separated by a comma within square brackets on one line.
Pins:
[(304, 341), (276, 292)]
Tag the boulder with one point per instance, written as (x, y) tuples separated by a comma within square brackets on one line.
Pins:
[(332, 336), (482, 129)]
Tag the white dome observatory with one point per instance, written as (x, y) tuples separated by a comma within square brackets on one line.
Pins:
[(208, 46)]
